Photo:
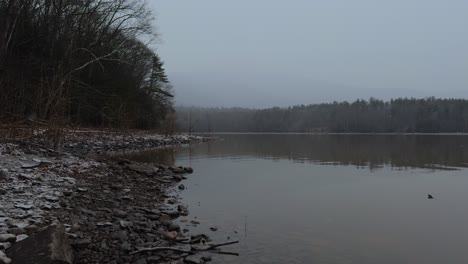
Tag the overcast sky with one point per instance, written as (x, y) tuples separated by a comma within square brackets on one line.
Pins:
[(262, 53)]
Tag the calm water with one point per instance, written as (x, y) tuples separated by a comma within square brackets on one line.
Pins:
[(329, 199)]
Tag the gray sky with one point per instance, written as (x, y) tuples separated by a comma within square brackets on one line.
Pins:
[(262, 53)]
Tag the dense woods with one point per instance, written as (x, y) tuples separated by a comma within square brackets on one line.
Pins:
[(81, 62), (404, 115)]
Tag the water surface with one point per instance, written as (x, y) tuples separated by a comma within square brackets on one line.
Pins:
[(329, 198)]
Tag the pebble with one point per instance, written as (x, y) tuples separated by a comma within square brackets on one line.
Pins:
[(3, 258)]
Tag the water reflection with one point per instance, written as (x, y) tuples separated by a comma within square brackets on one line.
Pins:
[(372, 151), (288, 199)]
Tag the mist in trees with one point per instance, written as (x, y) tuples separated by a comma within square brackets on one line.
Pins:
[(403, 115), (81, 62)]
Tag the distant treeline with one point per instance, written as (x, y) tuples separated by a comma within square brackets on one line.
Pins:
[(81, 62), (403, 115)]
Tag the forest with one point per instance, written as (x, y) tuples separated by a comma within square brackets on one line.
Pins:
[(86, 63), (402, 115)]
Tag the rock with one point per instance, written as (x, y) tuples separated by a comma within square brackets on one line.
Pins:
[(126, 247), (173, 227), (121, 235), (171, 201), (21, 237), (214, 228), (179, 170), (4, 246), (51, 198), (125, 224), (206, 258), (29, 165), (104, 224), (120, 213), (24, 206), (164, 218), (81, 243), (141, 261), (177, 178), (193, 259), (7, 238), (3, 192), (181, 187), (31, 228), (153, 260), (4, 259), (3, 175), (47, 246), (16, 231), (188, 170), (82, 190), (143, 168), (24, 176), (170, 235)]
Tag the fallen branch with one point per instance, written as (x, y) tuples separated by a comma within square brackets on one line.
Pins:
[(191, 252), (226, 253), (162, 248), (222, 244)]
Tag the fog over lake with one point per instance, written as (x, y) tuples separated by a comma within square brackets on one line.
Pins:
[(265, 53)]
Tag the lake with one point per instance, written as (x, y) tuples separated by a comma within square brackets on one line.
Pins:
[(295, 198)]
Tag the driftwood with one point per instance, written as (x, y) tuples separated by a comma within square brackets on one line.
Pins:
[(190, 252), (160, 249)]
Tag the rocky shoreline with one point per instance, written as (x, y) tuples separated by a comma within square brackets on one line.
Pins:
[(110, 210)]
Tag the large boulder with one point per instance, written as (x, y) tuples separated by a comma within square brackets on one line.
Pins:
[(49, 246)]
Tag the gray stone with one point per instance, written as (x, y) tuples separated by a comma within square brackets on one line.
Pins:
[(126, 247), (29, 165), (125, 224), (206, 258), (81, 243), (7, 238), (3, 175), (120, 213), (164, 217), (141, 261), (181, 187), (153, 260), (143, 169), (170, 235), (24, 206), (24, 176), (47, 246), (121, 235), (16, 231), (104, 224), (4, 259), (5, 245), (21, 237), (173, 227), (51, 198), (193, 259)]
